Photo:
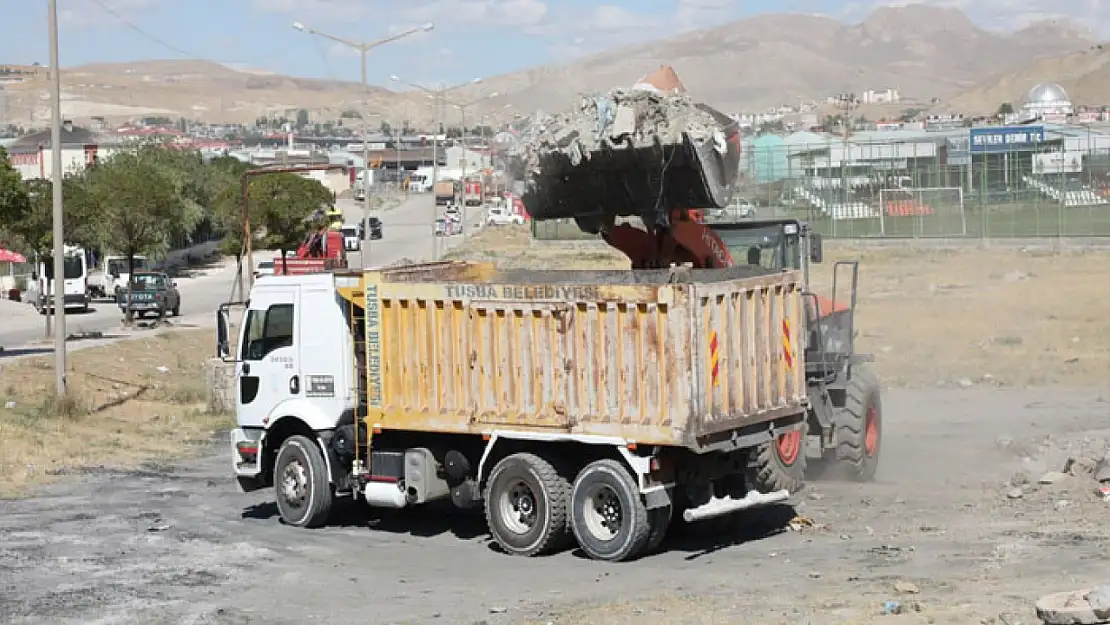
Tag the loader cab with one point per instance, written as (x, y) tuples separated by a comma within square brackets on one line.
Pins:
[(771, 243), (781, 244)]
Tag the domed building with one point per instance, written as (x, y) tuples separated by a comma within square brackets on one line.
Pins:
[(1047, 101)]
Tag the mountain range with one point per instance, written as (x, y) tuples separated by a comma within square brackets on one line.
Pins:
[(924, 52)]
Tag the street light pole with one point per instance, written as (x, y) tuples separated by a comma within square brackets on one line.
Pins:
[(58, 230), (465, 150), (438, 96), (363, 48)]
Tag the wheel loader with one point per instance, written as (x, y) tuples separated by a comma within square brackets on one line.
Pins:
[(666, 181)]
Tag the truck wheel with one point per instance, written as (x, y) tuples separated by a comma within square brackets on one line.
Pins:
[(860, 426), (781, 464), (301, 485), (526, 505), (607, 514), (177, 310)]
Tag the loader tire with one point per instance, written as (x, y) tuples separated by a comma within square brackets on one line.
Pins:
[(526, 506), (780, 464), (860, 426)]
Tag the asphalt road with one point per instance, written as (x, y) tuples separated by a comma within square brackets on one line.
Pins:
[(407, 233)]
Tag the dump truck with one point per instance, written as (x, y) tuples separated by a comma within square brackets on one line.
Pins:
[(444, 192), (587, 407)]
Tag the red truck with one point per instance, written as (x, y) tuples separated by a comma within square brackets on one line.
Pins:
[(472, 193), (321, 250)]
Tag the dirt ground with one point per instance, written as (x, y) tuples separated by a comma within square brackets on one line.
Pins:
[(985, 498), (133, 402)]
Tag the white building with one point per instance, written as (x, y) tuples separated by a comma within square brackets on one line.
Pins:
[(30, 154), (883, 96), (1047, 102)]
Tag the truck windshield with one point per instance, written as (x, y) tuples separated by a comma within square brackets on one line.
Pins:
[(775, 249), (149, 281), (118, 266)]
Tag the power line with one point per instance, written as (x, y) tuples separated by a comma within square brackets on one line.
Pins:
[(162, 42)]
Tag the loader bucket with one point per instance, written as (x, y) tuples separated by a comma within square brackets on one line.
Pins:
[(659, 152)]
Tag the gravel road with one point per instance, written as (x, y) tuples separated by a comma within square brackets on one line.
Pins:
[(941, 536)]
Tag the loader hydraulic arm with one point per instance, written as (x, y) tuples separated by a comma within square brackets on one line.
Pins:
[(685, 239)]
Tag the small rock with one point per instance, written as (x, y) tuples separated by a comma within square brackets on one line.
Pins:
[(162, 369), (1015, 493), (1099, 598), (1051, 477), (1067, 608), (1061, 504), (814, 575), (10, 405), (159, 527), (498, 610), (1016, 276), (906, 588), (964, 383), (816, 496)]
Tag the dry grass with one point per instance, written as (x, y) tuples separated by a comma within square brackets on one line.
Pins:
[(133, 402), (1003, 317)]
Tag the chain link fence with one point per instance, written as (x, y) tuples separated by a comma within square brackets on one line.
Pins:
[(933, 188)]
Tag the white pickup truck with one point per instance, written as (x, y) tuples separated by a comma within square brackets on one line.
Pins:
[(113, 274)]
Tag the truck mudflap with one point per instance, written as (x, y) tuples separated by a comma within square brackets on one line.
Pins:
[(246, 458), (718, 506)]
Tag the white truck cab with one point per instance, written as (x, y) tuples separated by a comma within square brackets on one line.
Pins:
[(294, 368)]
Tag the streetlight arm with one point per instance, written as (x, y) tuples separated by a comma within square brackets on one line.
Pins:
[(401, 35), (347, 42)]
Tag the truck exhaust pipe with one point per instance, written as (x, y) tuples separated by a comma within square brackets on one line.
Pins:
[(727, 505)]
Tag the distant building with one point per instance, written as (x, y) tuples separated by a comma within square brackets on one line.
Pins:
[(30, 154), (883, 96), (1047, 102)]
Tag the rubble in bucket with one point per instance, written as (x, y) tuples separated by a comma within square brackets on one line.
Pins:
[(638, 152)]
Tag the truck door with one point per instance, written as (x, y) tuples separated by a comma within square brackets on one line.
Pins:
[(269, 368)]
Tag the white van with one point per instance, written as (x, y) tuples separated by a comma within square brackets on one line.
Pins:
[(74, 282)]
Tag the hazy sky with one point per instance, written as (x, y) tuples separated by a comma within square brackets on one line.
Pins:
[(472, 37)]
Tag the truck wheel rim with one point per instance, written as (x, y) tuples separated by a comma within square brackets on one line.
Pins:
[(294, 484), (789, 445), (517, 508), (603, 513), (871, 432)]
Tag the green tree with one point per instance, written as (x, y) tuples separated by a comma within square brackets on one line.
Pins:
[(350, 114), (142, 204), (302, 118), (385, 128), (14, 203), (35, 230), (1005, 109), (281, 212)]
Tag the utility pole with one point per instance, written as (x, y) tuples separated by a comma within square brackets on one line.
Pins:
[(60, 386), (363, 48)]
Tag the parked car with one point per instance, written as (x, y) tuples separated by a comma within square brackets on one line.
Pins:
[(440, 227), (375, 224), (499, 216), (151, 292), (264, 268)]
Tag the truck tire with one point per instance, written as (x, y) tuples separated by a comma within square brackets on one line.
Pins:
[(780, 464), (860, 426), (526, 505), (301, 485), (607, 514)]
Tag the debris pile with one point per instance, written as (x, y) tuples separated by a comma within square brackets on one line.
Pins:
[(638, 152), (1088, 472)]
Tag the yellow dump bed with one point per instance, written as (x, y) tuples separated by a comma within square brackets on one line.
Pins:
[(663, 357)]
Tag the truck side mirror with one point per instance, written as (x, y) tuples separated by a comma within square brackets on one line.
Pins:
[(223, 342), (816, 253)]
